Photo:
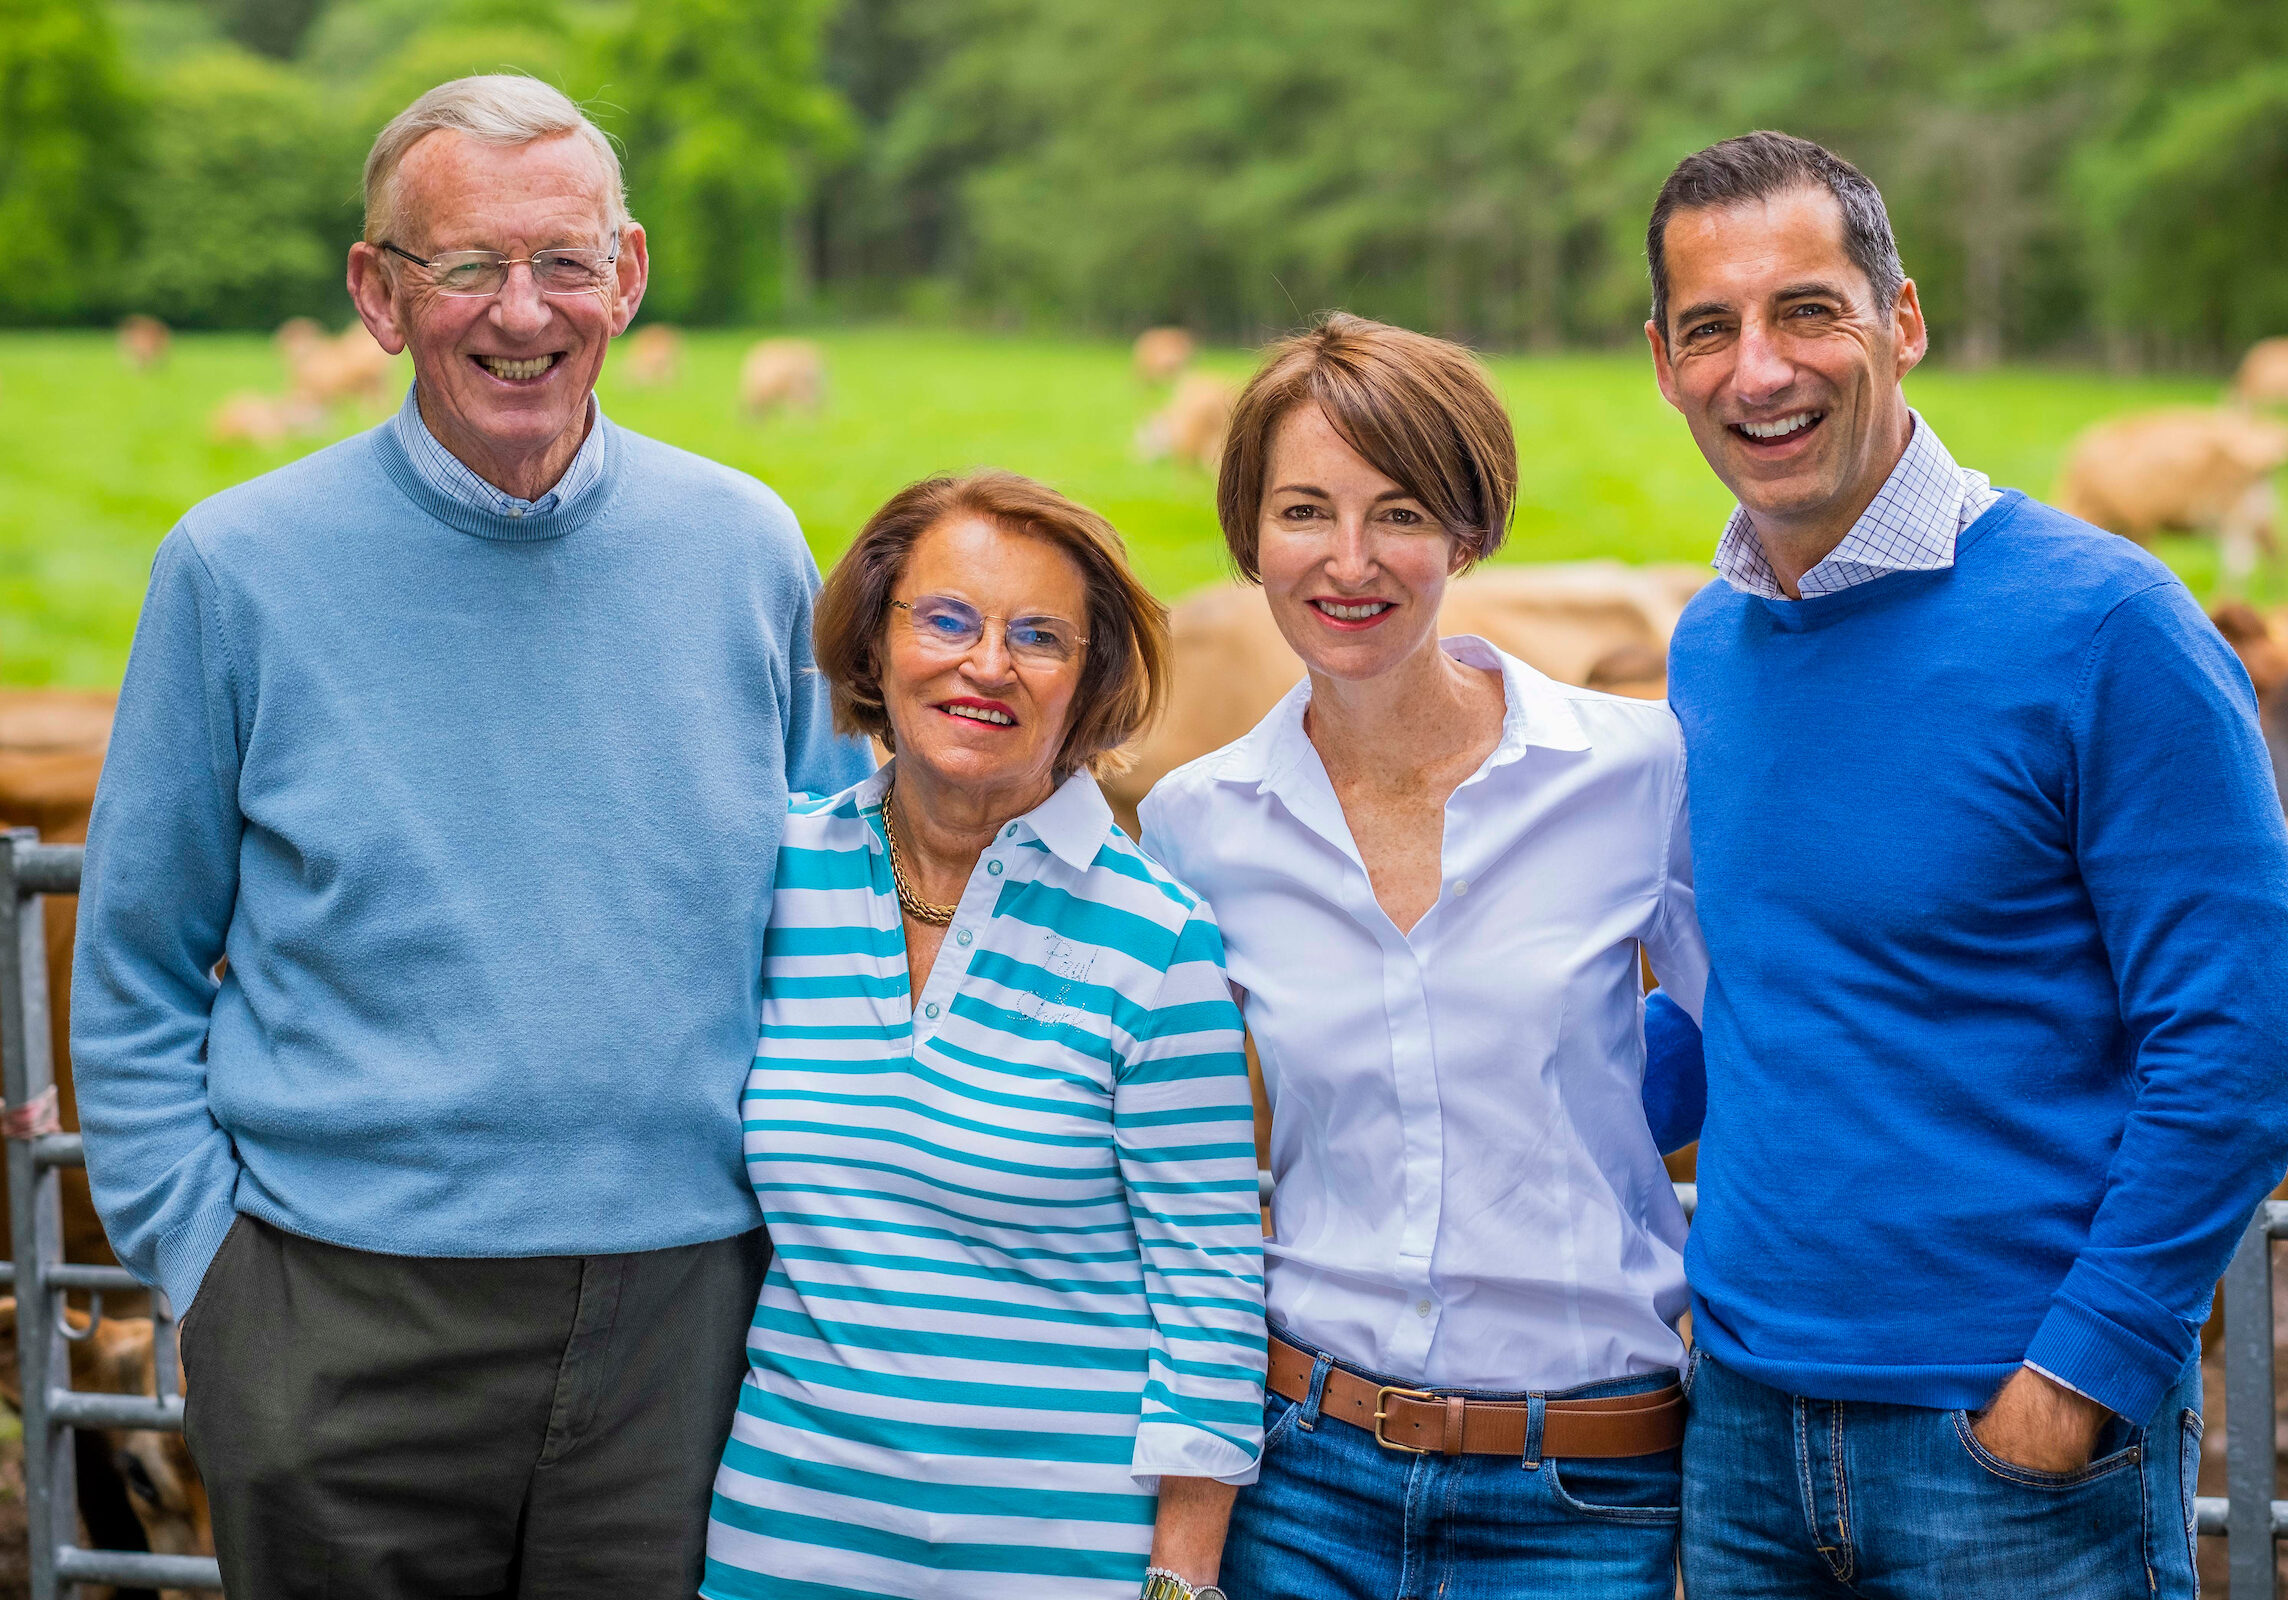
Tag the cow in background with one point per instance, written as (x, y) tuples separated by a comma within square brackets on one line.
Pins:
[(138, 1488), (1159, 354), (2263, 376), (2189, 469)]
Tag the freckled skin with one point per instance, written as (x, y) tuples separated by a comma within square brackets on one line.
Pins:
[(454, 193), (1768, 317), (1397, 722)]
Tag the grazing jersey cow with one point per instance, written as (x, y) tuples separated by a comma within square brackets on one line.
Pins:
[(782, 374), (2262, 644), (1161, 353), (2263, 376), (143, 341), (1191, 426), (652, 357), (2190, 469), (1573, 621)]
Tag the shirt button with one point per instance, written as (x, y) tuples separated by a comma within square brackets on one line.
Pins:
[(993, 869), (1461, 886), (516, 511), (962, 937), (1012, 833), (930, 1010), (1422, 1308)]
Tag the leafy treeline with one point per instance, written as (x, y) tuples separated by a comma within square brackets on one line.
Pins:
[(2065, 174)]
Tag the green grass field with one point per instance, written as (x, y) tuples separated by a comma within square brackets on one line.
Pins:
[(97, 462)]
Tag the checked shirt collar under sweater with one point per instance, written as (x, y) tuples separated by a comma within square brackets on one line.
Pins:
[(1911, 527), (449, 476)]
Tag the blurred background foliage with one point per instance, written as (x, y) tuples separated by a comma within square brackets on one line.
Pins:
[(2077, 177)]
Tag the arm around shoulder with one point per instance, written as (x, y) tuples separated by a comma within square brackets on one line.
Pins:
[(156, 901)]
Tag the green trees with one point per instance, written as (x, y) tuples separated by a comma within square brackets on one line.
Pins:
[(2064, 174), (248, 201), (720, 107), (69, 147)]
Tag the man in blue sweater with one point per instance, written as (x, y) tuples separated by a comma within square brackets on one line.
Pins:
[(420, 941), (1995, 887)]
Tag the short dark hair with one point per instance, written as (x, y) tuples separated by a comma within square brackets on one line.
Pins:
[(1755, 166), (1419, 410), (1125, 670)]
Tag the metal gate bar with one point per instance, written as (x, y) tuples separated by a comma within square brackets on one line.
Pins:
[(44, 1281)]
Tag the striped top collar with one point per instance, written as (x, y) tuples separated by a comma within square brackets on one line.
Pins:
[(1071, 823), (1911, 526)]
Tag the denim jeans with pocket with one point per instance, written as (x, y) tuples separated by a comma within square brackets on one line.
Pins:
[(1336, 1516), (1787, 1498)]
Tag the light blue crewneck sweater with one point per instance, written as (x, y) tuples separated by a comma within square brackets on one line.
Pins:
[(482, 813)]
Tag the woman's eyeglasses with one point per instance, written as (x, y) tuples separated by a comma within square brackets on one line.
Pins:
[(950, 627)]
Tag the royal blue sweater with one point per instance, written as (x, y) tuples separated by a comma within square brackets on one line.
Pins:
[(483, 813), (1995, 885)]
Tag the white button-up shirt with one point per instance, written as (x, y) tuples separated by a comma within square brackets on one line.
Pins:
[(1465, 1192)]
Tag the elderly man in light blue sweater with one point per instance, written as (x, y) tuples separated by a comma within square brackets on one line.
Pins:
[(422, 927)]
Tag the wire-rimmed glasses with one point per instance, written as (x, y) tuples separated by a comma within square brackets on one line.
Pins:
[(950, 627), (479, 274)]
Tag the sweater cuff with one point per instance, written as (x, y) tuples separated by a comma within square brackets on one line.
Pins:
[(2115, 1356), (184, 1254)]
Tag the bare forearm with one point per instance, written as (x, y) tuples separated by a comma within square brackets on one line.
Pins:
[(1187, 1538)]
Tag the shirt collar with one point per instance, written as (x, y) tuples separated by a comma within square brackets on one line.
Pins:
[(1535, 711), (448, 475), (1910, 526), (1072, 822)]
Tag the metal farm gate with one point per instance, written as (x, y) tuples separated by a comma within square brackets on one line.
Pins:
[(2249, 1518)]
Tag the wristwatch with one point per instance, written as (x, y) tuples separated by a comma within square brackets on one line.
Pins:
[(1161, 1584)]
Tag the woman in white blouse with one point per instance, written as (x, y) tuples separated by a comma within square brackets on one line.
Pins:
[(1435, 869)]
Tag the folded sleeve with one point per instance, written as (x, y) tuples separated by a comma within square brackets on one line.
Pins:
[(156, 900), (1183, 1121), (2179, 837)]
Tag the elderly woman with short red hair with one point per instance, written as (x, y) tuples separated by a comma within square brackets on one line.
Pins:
[(1012, 1339), (1435, 869)]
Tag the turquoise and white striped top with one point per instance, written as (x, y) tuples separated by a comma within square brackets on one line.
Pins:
[(1019, 1268)]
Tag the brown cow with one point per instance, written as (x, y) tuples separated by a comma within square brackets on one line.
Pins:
[(347, 367), (162, 1486), (1191, 426), (263, 420), (2263, 376), (1161, 353), (1571, 621), (2189, 469), (652, 357), (143, 341), (782, 374)]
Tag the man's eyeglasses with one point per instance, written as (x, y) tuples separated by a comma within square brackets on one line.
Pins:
[(950, 627), (480, 273)]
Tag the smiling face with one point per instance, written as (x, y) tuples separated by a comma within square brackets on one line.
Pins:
[(1353, 566), (504, 379), (980, 718), (1782, 362)]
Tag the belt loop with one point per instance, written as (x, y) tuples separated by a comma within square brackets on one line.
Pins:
[(1535, 1409), (1321, 1365)]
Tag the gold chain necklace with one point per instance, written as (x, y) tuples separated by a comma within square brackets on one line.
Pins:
[(920, 910)]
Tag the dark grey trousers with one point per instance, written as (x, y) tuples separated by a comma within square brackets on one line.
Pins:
[(399, 1426)]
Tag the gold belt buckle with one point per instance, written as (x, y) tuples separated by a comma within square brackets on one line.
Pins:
[(1380, 1414)]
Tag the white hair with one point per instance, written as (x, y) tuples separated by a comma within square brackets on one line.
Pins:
[(494, 108)]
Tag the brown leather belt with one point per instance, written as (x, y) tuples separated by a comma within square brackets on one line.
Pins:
[(1452, 1424)]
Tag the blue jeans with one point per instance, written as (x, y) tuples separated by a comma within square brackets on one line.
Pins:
[(1789, 1497), (1338, 1517)]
